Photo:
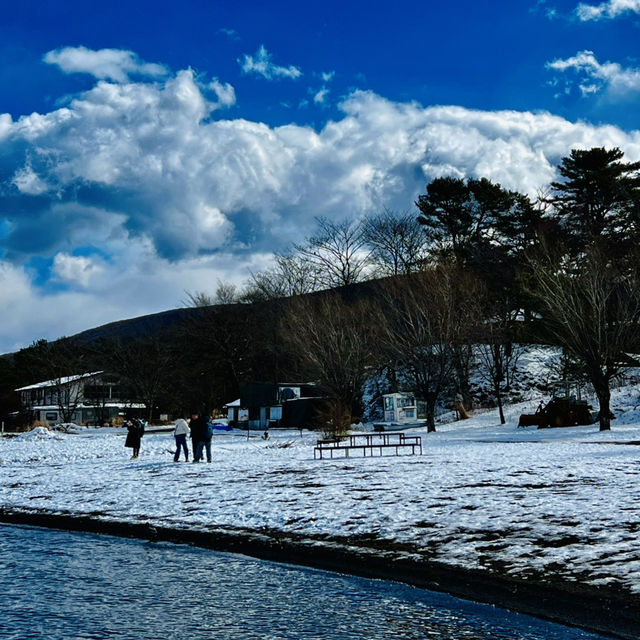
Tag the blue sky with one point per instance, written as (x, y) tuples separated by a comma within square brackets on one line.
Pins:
[(479, 55), (148, 148)]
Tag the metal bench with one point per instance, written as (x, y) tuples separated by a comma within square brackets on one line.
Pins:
[(393, 441)]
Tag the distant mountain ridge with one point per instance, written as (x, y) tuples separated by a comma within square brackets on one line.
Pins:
[(155, 324), (165, 323)]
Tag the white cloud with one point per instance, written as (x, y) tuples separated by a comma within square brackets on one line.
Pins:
[(321, 95), (174, 199), (609, 76), (28, 182), (75, 269), (105, 64), (134, 284), (606, 10), (224, 92), (263, 66)]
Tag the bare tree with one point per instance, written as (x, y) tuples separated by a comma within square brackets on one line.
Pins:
[(469, 301), (145, 368), (337, 253), (198, 299), (418, 330), (61, 363), (593, 311), (226, 293), (290, 275), (397, 241), (499, 354), (224, 347), (100, 394), (334, 344)]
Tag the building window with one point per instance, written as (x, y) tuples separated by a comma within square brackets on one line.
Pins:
[(405, 401), (275, 413)]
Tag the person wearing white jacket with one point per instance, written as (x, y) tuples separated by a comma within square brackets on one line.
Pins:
[(180, 433)]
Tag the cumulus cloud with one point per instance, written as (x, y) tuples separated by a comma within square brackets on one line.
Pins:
[(146, 161), (75, 269), (595, 76), (105, 64), (262, 65), (606, 10), (172, 199), (27, 181)]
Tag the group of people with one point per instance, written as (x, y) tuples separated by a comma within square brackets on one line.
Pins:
[(201, 433), (199, 428)]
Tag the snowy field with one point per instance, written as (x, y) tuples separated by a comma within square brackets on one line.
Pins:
[(544, 503)]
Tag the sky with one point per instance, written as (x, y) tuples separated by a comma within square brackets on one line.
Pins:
[(150, 149)]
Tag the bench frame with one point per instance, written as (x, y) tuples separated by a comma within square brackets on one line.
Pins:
[(371, 442)]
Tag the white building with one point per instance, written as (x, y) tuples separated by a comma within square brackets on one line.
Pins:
[(87, 398), (403, 408)]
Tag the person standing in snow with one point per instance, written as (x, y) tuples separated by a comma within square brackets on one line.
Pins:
[(205, 443), (198, 426), (180, 433), (135, 431)]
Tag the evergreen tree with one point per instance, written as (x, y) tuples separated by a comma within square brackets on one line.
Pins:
[(472, 219), (598, 200), (448, 216)]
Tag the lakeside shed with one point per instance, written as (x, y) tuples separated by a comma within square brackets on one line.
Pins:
[(403, 407)]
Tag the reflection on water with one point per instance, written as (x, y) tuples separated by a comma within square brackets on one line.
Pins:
[(61, 586)]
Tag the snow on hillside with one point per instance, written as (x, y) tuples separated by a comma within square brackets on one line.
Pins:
[(523, 501)]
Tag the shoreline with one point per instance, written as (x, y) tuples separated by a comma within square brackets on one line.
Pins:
[(596, 609)]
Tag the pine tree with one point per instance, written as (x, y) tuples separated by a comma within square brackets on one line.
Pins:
[(597, 202)]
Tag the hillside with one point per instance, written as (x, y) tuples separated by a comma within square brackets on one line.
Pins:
[(156, 324)]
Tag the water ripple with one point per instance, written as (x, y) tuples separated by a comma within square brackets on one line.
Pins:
[(62, 586)]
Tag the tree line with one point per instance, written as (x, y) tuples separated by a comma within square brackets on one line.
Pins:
[(419, 298), (477, 272)]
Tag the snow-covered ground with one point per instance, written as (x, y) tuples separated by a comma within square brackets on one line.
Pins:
[(523, 501)]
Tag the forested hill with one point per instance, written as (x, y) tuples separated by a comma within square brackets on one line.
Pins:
[(154, 325), (165, 323)]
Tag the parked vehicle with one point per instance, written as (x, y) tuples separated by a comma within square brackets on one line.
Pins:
[(565, 409)]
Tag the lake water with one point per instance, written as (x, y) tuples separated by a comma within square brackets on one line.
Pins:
[(65, 586)]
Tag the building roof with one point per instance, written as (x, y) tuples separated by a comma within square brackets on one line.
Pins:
[(56, 382)]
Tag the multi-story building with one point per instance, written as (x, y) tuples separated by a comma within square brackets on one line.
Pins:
[(87, 398)]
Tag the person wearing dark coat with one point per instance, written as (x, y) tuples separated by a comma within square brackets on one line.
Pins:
[(198, 426), (205, 443), (135, 431)]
